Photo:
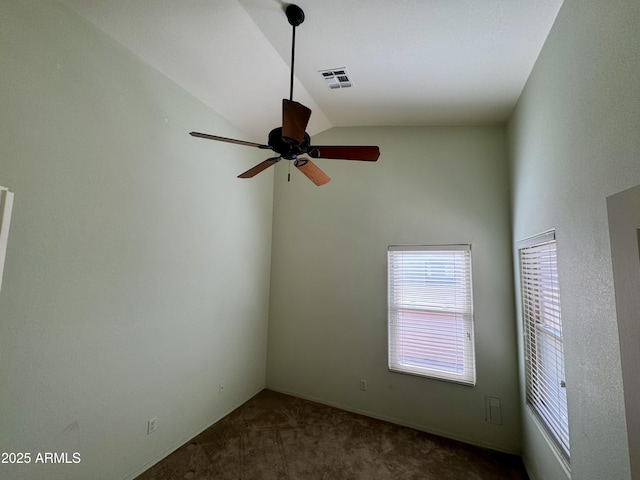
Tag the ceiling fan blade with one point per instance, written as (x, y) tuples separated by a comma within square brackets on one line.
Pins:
[(228, 140), (311, 171), (337, 152), (252, 172), (295, 118)]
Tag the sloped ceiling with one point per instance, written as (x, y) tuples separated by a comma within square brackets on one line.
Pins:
[(412, 62)]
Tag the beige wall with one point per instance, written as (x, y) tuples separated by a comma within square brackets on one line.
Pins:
[(328, 285), (137, 265), (575, 141)]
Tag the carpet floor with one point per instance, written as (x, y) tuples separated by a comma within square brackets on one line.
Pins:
[(277, 436)]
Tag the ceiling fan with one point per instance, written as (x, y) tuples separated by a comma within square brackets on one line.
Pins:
[(291, 141)]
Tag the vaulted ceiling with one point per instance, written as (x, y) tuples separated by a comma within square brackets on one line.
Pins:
[(411, 62)]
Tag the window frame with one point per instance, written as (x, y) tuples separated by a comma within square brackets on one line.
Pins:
[(543, 346), (457, 362)]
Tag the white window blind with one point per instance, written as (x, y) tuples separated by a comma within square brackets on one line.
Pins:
[(544, 358), (431, 312)]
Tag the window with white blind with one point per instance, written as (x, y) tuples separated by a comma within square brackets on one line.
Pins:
[(544, 358), (431, 312)]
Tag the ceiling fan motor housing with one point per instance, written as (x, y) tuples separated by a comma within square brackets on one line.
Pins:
[(289, 151)]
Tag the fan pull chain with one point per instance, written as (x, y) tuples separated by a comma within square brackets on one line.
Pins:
[(289, 173)]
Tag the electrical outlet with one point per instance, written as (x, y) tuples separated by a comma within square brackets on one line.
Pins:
[(363, 385), (151, 425), (220, 388)]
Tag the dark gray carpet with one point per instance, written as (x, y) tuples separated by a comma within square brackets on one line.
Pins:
[(276, 436)]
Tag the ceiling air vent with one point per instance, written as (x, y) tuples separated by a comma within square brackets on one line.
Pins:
[(336, 77)]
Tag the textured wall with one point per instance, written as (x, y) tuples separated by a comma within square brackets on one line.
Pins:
[(574, 142), (328, 286), (137, 266)]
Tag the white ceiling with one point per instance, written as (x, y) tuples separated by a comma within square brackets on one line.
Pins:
[(413, 62)]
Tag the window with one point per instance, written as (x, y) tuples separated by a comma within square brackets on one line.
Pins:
[(544, 359), (431, 312)]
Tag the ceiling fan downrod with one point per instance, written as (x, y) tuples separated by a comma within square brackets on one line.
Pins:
[(295, 16)]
